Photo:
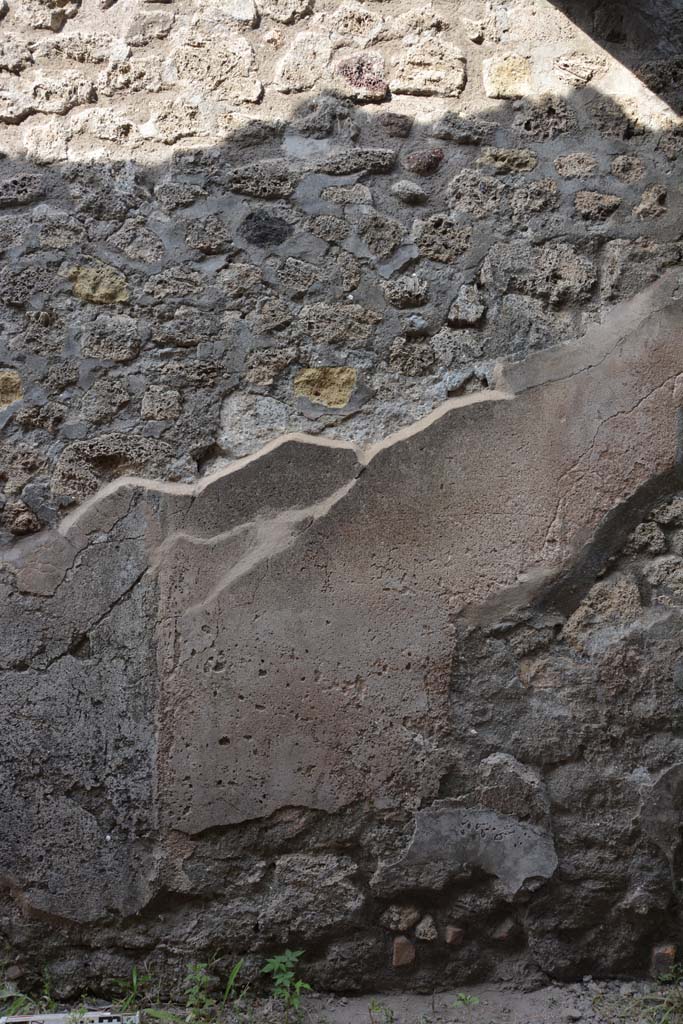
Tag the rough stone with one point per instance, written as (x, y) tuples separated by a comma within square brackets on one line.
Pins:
[(403, 954), (595, 205), (648, 537), (44, 95), (442, 239), (370, 161), (381, 234), (286, 11), (98, 283), (128, 75), (534, 197), (545, 118), (325, 116), (508, 785), (400, 918), (507, 77), (18, 519), (457, 347), (413, 358), (628, 259), (628, 168), (243, 12), (467, 308), (353, 19), (414, 23), (329, 227), (84, 466), (429, 67), (209, 235), (505, 931), (139, 243), (466, 131), (476, 194), (578, 69), (149, 25), (22, 189), (347, 194), (326, 385), (103, 401), (244, 417), (338, 323), (266, 179), (47, 14), (362, 76), (556, 271), (271, 314), (160, 403), (297, 276), (395, 125), (576, 165), (113, 337), (448, 838), (261, 228), (79, 47), (304, 886), (15, 56), (10, 387), (227, 65), (407, 292), (304, 63), (652, 202), (508, 161), (422, 161), (264, 365), (409, 193), (426, 930), (669, 512)]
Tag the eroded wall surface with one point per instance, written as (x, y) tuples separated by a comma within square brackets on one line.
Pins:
[(342, 358)]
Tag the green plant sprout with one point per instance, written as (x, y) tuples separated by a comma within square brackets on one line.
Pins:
[(379, 1013), (467, 1002), (286, 986), (132, 991)]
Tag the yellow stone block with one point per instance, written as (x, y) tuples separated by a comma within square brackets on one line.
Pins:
[(326, 385), (99, 283), (10, 388)]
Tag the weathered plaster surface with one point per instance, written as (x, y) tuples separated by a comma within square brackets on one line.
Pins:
[(237, 693), (341, 495)]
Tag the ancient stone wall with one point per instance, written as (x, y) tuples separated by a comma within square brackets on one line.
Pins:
[(342, 502)]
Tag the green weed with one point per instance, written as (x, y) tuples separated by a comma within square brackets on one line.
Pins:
[(464, 1001), (201, 1006), (15, 1003), (47, 1002), (666, 1006), (132, 992), (286, 986), (379, 1013)]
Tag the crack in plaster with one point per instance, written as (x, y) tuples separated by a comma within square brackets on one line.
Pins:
[(564, 497), (625, 323)]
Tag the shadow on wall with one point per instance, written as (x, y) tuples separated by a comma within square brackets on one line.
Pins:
[(643, 35), (341, 272)]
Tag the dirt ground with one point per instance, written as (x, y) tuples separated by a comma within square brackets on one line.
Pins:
[(588, 1002)]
